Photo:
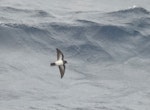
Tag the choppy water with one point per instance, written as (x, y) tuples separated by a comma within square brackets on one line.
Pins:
[(108, 57)]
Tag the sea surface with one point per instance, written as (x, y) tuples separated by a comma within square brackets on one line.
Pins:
[(106, 44)]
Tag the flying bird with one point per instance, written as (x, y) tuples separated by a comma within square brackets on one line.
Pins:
[(60, 62)]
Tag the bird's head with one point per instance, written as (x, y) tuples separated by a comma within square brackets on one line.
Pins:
[(65, 62)]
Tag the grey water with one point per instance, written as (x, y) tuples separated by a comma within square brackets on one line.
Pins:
[(106, 44)]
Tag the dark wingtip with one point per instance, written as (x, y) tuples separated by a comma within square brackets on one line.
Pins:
[(62, 76)]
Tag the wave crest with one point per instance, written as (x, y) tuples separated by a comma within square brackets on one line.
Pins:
[(131, 11)]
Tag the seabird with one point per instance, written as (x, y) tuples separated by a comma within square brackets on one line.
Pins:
[(60, 62)]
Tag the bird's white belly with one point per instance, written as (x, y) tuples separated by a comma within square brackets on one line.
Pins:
[(59, 62)]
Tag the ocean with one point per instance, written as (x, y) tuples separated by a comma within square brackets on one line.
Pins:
[(106, 45)]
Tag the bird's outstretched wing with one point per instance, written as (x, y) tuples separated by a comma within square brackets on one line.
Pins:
[(62, 70), (60, 55)]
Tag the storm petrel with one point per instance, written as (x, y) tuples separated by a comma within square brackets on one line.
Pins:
[(60, 62)]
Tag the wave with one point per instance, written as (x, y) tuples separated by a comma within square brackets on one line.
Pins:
[(27, 12), (85, 38), (12, 9), (131, 11), (22, 36), (25, 27)]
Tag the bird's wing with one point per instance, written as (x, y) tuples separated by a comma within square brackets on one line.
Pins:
[(60, 55), (62, 70)]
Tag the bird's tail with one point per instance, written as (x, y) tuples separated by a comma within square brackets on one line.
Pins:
[(53, 64)]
